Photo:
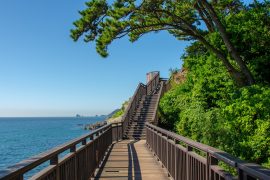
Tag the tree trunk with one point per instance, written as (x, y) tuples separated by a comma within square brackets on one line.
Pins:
[(236, 75), (233, 52)]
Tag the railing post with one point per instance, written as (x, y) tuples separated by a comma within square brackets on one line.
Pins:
[(54, 161), (122, 127), (157, 145), (160, 146), (91, 138), (175, 159), (96, 151), (242, 175), (118, 132), (73, 150), (19, 177), (189, 148), (84, 142), (167, 150), (210, 161)]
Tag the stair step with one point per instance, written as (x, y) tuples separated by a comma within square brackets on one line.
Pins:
[(131, 131), (145, 111), (138, 123), (150, 97), (142, 118), (136, 127), (138, 120), (135, 133), (144, 114), (148, 103), (148, 106), (138, 113), (138, 136), (135, 130)]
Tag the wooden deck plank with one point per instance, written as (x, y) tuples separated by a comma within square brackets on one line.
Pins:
[(130, 160)]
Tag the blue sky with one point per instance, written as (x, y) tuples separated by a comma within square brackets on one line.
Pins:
[(44, 73)]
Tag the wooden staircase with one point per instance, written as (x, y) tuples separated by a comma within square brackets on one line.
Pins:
[(145, 112)]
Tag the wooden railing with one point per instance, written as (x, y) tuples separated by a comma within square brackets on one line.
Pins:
[(186, 159), (84, 156), (153, 83), (133, 103), (160, 94)]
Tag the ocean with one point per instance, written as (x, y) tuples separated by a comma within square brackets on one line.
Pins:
[(21, 138)]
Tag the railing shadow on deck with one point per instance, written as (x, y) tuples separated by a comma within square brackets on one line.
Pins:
[(135, 161), (99, 172), (133, 169)]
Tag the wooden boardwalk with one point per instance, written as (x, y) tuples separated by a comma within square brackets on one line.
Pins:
[(99, 154), (131, 160)]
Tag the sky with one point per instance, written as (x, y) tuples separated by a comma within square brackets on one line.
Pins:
[(44, 73)]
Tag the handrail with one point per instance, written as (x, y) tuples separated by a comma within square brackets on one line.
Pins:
[(196, 165), (132, 99), (140, 91), (97, 136), (154, 120), (153, 83)]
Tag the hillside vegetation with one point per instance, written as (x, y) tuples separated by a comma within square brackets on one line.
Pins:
[(224, 98), (210, 107), (121, 111)]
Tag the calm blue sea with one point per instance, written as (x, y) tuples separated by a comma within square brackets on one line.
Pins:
[(21, 138)]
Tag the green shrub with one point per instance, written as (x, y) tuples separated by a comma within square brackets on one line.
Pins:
[(208, 107), (121, 111)]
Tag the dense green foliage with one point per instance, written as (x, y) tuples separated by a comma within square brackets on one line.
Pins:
[(224, 100), (209, 107)]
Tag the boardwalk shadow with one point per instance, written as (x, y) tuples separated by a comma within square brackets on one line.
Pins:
[(133, 169), (102, 165), (134, 165)]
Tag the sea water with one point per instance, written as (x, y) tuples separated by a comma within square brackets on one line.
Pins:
[(21, 138)]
